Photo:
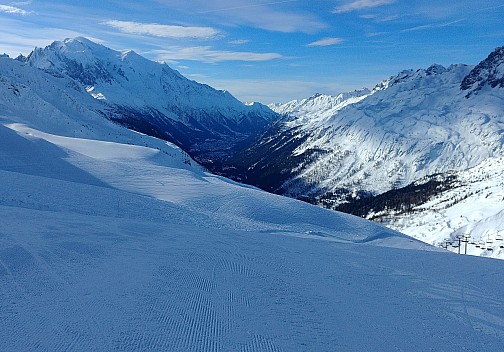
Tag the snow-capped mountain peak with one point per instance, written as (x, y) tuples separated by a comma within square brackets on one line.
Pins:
[(434, 73), (91, 63), (77, 58), (152, 98), (154, 83)]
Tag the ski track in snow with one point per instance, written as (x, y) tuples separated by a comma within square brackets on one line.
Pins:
[(134, 251), (117, 284)]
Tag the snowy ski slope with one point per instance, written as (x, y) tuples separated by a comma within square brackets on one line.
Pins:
[(131, 246)]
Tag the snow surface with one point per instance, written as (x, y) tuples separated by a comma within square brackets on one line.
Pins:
[(129, 245)]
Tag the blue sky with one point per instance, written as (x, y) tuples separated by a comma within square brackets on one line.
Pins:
[(267, 50)]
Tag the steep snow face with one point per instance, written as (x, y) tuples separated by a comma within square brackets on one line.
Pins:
[(417, 123), (75, 58), (473, 207), (107, 245), (152, 98)]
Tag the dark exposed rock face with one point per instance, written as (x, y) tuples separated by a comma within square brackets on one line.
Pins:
[(489, 72)]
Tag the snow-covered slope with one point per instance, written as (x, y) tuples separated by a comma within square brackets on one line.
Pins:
[(473, 205), (124, 244), (152, 98), (417, 123)]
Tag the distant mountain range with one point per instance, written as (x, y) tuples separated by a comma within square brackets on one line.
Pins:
[(417, 123), (344, 152)]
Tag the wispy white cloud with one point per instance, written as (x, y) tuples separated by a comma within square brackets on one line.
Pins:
[(360, 5), (196, 75), (19, 37), (376, 34), (432, 26), (13, 10), (21, 3), (389, 18), (379, 19), (326, 42), (275, 16), (208, 55), (490, 8), (247, 6), (368, 16), (161, 30), (239, 41)]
